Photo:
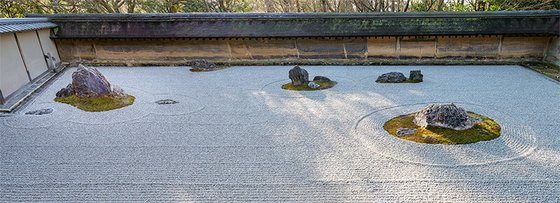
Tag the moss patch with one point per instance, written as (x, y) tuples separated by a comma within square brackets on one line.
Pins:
[(96, 104), (488, 129), (548, 69), (304, 87)]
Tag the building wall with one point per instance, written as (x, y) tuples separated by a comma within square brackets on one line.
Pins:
[(32, 53), (48, 45), (13, 74), (181, 50), (22, 59)]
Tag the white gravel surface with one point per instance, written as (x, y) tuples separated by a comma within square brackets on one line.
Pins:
[(235, 135)]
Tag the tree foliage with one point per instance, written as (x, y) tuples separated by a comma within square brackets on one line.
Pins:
[(18, 8)]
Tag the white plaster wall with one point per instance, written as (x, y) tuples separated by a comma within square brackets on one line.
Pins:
[(12, 71), (32, 53), (47, 43)]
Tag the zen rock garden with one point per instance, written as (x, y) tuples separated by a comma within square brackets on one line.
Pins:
[(300, 81), (443, 124), (433, 124), (90, 91), (185, 127)]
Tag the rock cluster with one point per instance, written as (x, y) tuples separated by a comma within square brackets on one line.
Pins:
[(398, 77), (202, 65), (89, 82), (392, 77), (444, 115), (299, 76)]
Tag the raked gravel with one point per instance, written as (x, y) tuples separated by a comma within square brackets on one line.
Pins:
[(235, 135)]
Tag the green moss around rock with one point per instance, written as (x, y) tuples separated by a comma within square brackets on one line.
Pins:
[(488, 129), (322, 85), (97, 104)]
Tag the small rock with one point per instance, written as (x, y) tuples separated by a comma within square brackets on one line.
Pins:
[(416, 76), (66, 92), (299, 76), (39, 112), (118, 92), (313, 85), (321, 78), (166, 101), (203, 65), (392, 77), (401, 132), (444, 115)]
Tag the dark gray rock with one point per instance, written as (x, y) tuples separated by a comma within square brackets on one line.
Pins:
[(39, 112), (444, 115), (299, 76), (321, 78), (392, 77), (401, 132), (166, 101), (89, 82), (416, 76), (313, 85), (66, 92), (203, 65)]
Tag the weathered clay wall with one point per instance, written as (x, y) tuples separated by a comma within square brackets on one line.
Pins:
[(171, 51), (553, 52)]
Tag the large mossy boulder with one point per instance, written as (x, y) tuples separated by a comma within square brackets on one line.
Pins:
[(446, 116), (90, 91)]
